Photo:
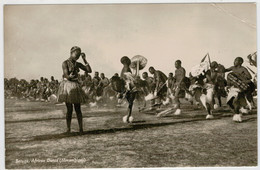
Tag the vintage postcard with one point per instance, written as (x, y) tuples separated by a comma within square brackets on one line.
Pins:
[(116, 85)]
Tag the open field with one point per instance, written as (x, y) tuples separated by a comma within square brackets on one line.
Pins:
[(35, 138)]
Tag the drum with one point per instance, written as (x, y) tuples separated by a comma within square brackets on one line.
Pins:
[(237, 82)]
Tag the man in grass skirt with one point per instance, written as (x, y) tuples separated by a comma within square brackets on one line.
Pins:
[(70, 91)]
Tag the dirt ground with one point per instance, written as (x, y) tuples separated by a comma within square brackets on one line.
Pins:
[(35, 138)]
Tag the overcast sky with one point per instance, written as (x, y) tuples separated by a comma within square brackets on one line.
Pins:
[(38, 38)]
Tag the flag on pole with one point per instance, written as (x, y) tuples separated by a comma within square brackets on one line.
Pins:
[(202, 67), (250, 70), (252, 59), (204, 57), (209, 59)]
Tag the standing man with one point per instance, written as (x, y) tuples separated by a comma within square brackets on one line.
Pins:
[(52, 85), (170, 87), (149, 82), (170, 81), (179, 85), (160, 83), (104, 82), (96, 80)]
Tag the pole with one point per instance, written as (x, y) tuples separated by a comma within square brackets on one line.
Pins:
[(137, 68)]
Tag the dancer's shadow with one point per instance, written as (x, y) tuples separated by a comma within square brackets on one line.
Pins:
[(135, 125)]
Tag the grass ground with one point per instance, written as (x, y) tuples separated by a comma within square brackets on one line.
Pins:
[(35, 138)]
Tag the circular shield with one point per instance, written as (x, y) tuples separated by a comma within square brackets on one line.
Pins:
[(138, 59)]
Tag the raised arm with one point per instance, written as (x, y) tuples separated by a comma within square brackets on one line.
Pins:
[(228, 69), (85, 67)]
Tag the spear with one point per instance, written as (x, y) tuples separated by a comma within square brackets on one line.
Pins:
[(250, 70), (209, 59)]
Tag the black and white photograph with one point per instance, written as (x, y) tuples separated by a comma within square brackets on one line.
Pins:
[(130, 85)]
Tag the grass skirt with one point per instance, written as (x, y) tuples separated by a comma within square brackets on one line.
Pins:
[(71, 92)]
